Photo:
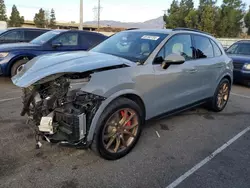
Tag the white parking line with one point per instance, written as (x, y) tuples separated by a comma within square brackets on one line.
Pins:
[(9, 99), (244, 96), (207, 159)]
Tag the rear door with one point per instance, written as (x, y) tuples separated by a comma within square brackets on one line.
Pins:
[(208, 62), (12, 36)]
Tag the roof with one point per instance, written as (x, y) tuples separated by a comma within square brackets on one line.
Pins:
[(167, 31), (243, 41), (78, 31), (160, 31), (24, 28)]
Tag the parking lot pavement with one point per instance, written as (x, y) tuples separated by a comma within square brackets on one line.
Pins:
[(184, 141)]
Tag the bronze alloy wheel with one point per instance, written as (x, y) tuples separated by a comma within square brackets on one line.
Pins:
[(223, 94), (120, 130)]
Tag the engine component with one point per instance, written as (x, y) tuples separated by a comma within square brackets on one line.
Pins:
[(59, 109), (46, 124)]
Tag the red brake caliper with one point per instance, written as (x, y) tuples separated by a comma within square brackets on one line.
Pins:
[(123, 114)]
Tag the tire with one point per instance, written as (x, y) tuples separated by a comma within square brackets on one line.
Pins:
[(16, 65), (98, 145), (213, 104)]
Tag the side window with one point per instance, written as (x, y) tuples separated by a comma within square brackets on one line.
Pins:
[(178, 44), (203, 47), (30, 35), (13, 36), (67, 39), (217, 51), (91, 39)]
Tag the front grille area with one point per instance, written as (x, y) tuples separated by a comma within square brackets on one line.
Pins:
[(68, 124), (238, 66)]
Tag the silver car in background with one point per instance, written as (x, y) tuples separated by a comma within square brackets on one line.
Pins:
[(102, 98)]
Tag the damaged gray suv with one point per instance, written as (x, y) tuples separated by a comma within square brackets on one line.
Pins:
[(101, 98)]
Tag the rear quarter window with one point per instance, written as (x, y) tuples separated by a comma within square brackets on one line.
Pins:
[(217, 51)]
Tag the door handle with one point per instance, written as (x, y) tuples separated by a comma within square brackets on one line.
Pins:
[(192, 71)]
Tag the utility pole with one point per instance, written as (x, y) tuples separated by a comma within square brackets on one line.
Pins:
[(99, 13), (81, 15)]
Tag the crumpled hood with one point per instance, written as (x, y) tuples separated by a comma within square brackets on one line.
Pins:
[(240, 58), (18, 46), (66, 62)]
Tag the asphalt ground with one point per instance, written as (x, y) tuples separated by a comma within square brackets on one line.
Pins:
[(158, 160)]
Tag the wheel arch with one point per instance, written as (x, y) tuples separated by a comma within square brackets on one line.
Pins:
[(228, 77), (129, 94), (17, 58)]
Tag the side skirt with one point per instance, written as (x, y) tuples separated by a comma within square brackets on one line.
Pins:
[(179, 110)]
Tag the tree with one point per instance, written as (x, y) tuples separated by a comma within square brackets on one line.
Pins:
[(15, 19), (207, 16), (231, 16), (184, 9), (52, 23), (247, 21), (39, 19), (3, 16), (192, 19), (47, 18), (172, 19)]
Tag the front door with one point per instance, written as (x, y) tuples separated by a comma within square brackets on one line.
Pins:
[(178, 85), (68, 41)]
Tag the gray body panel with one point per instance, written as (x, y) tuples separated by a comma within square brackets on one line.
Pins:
[(65, 62), (160, 90)]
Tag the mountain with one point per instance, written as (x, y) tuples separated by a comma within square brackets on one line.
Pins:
[(154, 23)]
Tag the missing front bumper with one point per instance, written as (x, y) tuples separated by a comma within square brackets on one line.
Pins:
[(63, 126)]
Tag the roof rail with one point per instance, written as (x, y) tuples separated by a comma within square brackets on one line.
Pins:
[(188, 29), (131, 29)]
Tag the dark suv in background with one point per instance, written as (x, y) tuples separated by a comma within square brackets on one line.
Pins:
[(14, 35), (240, 53), (13, 56)]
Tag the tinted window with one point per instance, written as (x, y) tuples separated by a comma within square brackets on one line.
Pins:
[(178, 44), (217, 51), (13, 35), (91, 39), (203, 46), (239, 48), (67, 39), (132, 45), (30, 35)]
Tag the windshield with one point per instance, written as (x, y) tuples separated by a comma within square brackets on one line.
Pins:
[(134, 46), (1, 31), (239, 48), (45, 37)]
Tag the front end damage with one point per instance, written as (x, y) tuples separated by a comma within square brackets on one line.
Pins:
[(60, 110)]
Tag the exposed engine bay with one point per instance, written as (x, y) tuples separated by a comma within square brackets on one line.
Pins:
[(59, 109)]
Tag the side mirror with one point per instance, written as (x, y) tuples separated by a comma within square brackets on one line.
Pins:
[(56, 44), (172, 59)]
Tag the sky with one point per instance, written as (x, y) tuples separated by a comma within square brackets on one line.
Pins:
[(68, 10)]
